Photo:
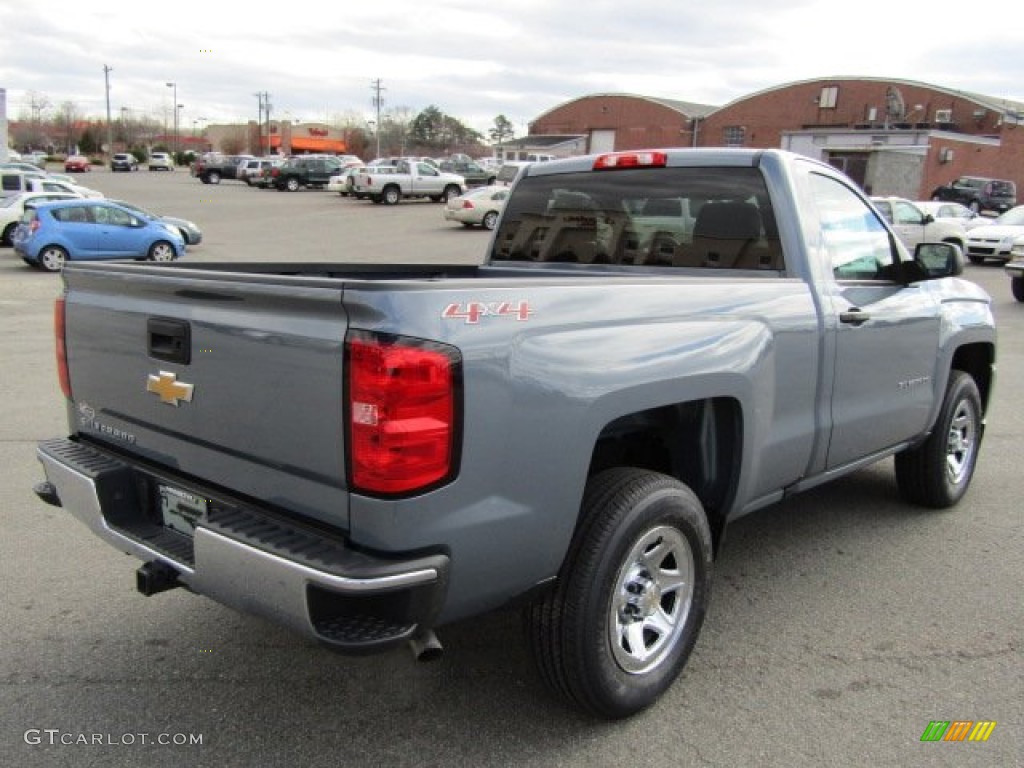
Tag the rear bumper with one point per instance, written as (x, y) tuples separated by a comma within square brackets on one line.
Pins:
[(308, 580)]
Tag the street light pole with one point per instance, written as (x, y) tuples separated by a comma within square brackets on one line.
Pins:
[(175, 106)]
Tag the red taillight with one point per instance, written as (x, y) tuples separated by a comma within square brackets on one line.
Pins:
[(467, 204), (62, 350), (33, 226), (403, 399), (631, 160)]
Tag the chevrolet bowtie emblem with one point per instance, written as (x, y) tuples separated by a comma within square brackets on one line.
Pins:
[(171, 390)]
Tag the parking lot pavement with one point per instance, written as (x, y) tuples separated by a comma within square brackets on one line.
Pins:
[(842, 622)]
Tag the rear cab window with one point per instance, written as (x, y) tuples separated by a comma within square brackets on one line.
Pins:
[(705, 218)]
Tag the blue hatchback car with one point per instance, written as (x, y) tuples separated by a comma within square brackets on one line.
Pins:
[(83, 229)]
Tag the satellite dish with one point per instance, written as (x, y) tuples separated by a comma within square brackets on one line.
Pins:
[(895, 107)]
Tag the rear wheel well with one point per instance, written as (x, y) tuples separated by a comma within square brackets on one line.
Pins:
[(699, 443)]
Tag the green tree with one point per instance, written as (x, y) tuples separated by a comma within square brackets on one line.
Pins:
[(503, 129)]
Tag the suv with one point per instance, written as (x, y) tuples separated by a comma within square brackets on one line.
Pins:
[(252, 170), (161, 161), (474, 173), (311, 171), (979, 194), (123, 161)]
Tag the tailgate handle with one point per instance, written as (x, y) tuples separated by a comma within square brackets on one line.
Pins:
[(170, 340)]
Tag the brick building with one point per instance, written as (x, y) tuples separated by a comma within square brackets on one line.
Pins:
[(892, 136)]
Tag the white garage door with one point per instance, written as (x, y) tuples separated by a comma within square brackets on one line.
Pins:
[(602, 141)]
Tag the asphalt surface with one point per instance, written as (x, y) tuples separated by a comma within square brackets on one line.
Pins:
[(841, 623)]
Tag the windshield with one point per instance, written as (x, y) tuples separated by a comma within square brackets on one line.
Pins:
[(1013, 217)]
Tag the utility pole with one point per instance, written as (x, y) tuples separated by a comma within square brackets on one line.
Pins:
[(110, 131), (264, 101), (377, 101)]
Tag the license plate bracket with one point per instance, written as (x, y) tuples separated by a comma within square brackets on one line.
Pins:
[(180, 510)]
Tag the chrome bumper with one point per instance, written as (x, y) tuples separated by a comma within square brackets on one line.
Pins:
[(347, 599)]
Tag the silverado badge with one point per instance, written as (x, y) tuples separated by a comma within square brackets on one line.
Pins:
[(171, 390)]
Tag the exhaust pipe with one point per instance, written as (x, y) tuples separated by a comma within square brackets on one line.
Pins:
[(425, 646), (155, 577)]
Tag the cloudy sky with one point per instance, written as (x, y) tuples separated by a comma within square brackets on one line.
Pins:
[(475, 59)]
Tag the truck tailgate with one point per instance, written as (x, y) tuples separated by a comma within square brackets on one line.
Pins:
[(234, 382)]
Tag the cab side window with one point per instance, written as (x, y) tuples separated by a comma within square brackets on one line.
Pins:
[(856, 242)]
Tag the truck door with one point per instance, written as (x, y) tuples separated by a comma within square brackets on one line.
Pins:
[(885, 333), (426, 179)]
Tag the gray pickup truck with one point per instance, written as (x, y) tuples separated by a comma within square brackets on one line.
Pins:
[(659, 343)]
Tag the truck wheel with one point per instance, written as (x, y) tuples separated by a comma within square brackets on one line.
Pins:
[(490, 220), (392, 195), (214, 177), (623, 617), (292, 185), (938, 472), (205, 179), (449, 192), (1016, 287), (52, 258)]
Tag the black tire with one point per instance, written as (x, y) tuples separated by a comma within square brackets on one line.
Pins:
[(161, 250), (449, 192), (975, 206), (292, 184), (612, 636), (1017, 288), (205, 179), (938, 472), (490, 220), (214, 177), (8, 236), (391, 195), (52, 258), (490, 180), (376, 199), (975, 259)]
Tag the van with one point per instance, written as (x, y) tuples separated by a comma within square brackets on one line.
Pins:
[(13, 182)]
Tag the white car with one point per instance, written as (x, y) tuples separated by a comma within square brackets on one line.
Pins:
[(914, 226), (12, 208), (161, 161), (996, 239), (479, 207), (954, 211), (59, 185)]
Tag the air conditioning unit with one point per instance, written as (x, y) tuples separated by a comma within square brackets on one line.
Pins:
[(943, 115)]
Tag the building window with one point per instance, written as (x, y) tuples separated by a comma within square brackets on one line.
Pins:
[(829, 97), (734, 135)]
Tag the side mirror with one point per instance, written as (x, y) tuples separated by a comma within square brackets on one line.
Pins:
[(928, 219), (936, 260)]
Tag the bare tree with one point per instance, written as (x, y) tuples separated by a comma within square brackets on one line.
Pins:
[(66, 122)]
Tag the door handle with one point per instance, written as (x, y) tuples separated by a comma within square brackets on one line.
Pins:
[(854, 316)]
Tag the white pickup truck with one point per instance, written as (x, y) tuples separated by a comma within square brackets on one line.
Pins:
[(408, 179)]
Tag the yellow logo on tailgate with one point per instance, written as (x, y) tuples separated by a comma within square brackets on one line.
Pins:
[(171, 390)]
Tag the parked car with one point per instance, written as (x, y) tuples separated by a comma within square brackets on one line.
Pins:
[(252, 170), (188, 230), (915, 226), (15, 180), (953, 212), (161, 161), (305, 171), (344, 181), (995, 240), (37, 158), (1015, 269), (474, 173), (124, 161), (12, 208), (77, 164), (50, 234), (479, 207), (979, 194), (55, 185)]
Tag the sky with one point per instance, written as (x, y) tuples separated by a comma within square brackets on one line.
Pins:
[(475, 60)]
